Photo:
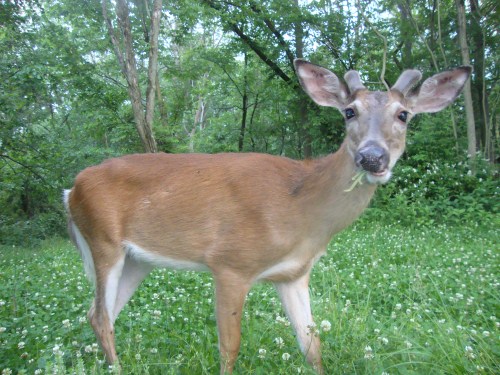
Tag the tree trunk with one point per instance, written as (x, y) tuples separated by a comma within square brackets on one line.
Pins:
[(443, 55), (481, 109), (302, 104), (143, 118), (244, 108), (464, 49), (162, 106), (406, 34), (152, 75)]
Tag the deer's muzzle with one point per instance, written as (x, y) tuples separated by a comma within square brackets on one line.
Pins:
[(373, 158)]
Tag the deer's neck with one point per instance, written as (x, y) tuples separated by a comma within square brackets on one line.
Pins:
[(332, 206)]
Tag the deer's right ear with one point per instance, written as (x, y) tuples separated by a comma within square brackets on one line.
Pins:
[(324, 87), (440, 90)]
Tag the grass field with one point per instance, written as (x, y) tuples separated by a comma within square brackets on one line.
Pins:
[(386, 299)]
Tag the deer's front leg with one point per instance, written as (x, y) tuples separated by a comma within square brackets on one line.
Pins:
[(295, 299), (231, 291)]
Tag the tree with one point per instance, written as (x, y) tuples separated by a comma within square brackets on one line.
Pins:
[(479, 92), (127, 61), (266, 21), (464, 50)]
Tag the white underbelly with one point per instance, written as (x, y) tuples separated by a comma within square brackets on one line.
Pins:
[(157, 260)]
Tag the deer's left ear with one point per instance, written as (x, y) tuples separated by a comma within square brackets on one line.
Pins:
[(438, 91)]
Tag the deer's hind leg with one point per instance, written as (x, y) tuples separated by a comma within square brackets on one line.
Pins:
[(108, 271)]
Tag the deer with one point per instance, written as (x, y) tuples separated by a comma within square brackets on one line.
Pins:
[(244, 217)]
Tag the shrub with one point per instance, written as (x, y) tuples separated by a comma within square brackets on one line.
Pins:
[(439, 192)]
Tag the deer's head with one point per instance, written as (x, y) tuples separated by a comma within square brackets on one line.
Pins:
[(376, 121)]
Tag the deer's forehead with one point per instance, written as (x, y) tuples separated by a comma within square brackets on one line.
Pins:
[(378, 100)]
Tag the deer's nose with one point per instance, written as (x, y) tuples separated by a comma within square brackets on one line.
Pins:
[(372, 158)]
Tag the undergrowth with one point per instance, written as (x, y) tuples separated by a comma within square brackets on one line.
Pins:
[(387, 299)]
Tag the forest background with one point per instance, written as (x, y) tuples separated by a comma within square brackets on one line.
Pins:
[(81, 81)]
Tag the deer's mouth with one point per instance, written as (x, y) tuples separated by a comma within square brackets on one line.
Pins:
[(380, 177), (381, 173)]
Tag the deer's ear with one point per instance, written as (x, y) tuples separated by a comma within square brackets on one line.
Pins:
[(324, 87), (438, 91)]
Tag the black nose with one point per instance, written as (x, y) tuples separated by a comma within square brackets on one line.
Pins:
[(372, 158)]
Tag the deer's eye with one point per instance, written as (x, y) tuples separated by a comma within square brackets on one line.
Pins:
[(349, 113), (403, 116)]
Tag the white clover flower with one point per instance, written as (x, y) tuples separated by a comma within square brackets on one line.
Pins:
[(6, 371), (262, 353), (408, 344), (369, 352), (469, 352), (3, 329), (281, 319), (57, 350), (153, 350), (66, 323), (486, 333), (21, 345), (325, 325), (38, 371), (138, 356), (156, 314), (384, 340), (285, 356), (279, 341)]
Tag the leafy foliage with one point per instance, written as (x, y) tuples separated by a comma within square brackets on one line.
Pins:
[(439, 192), (64, 102)]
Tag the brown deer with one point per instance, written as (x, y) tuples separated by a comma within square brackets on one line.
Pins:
[(243, 217)]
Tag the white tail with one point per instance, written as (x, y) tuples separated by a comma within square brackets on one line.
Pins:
[(243, 217)]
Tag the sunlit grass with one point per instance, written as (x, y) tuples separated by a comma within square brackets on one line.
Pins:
[(386, 299)]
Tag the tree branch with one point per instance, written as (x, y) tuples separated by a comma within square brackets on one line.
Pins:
[(28, 167), (384, 58), (270, 25), (112, 36), (253, 45)]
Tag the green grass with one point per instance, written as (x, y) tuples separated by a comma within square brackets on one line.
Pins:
[(399, 301)]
